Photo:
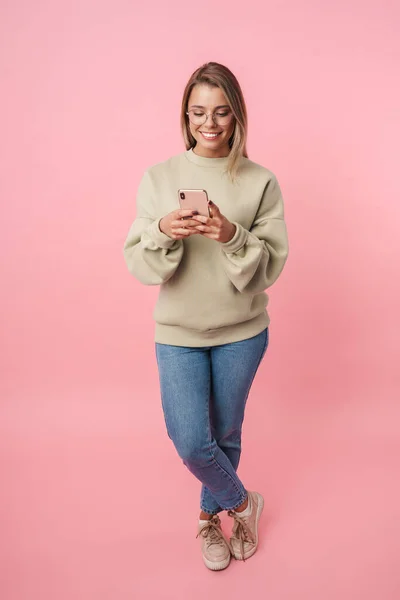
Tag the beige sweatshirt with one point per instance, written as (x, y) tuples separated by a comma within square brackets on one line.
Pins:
[(210, 292)]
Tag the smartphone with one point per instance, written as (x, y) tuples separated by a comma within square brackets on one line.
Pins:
[(195, 200)]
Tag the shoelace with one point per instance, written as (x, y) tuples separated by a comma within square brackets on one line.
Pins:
[(214, 533), (241, 531)]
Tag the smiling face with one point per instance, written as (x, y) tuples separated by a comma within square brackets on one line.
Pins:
[(210, 99)]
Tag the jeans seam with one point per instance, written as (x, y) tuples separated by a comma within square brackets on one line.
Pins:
[(247, 395), (209, 443), (211, 452), (226, 474)]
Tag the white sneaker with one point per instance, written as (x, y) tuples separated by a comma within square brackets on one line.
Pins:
[(244, 539), (215, 547)]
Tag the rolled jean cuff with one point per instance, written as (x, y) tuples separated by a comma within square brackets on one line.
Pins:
[(239, 503), (209, 512)]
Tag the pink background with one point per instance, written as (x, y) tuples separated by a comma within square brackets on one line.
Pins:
[(95, 504)]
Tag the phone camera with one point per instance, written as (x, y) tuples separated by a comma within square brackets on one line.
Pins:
[(182, 195)]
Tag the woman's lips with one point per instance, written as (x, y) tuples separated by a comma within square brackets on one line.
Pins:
[(214, 137)]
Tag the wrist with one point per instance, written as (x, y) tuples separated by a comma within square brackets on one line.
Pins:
[(238, 240), (233, 231)]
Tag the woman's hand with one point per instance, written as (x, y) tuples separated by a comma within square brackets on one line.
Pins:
[(175, 227), (217, 227)]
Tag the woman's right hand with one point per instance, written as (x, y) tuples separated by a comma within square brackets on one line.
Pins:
[(173, 225)]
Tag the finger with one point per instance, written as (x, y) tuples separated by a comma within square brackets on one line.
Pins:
[(186, 212), (213, 206), (202, 219), (208, 235), (214, 209), (204, 228), (185, 232), (186, 223)]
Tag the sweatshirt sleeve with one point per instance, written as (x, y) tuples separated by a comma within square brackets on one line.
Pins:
[(150, 255), (253, 260)]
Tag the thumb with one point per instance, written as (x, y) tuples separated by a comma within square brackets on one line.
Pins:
[(214, 208)]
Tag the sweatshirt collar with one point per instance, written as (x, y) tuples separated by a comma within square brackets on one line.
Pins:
[(204, 161)]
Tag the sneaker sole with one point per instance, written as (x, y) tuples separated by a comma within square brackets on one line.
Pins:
[(258, 515), (217, 566)]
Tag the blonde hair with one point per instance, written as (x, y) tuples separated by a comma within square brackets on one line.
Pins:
[(217, 75)]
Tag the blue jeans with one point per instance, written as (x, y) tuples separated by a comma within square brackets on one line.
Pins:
[(203, 393)]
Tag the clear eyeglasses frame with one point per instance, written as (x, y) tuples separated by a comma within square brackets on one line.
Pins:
[(201, 117)]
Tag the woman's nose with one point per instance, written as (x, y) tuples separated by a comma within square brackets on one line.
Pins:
[(212, 122)]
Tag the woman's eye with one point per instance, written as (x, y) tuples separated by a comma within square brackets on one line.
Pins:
[(198, 114), (224, 114)]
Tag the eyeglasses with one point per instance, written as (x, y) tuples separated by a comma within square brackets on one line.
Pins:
[(199, 117)]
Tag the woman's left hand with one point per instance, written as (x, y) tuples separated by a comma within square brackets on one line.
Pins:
[(217, 227)]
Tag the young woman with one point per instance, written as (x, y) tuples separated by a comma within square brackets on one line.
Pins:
[(212, 324)]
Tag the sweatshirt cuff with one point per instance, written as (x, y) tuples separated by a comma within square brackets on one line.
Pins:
[(238, 241), (161, 239)]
